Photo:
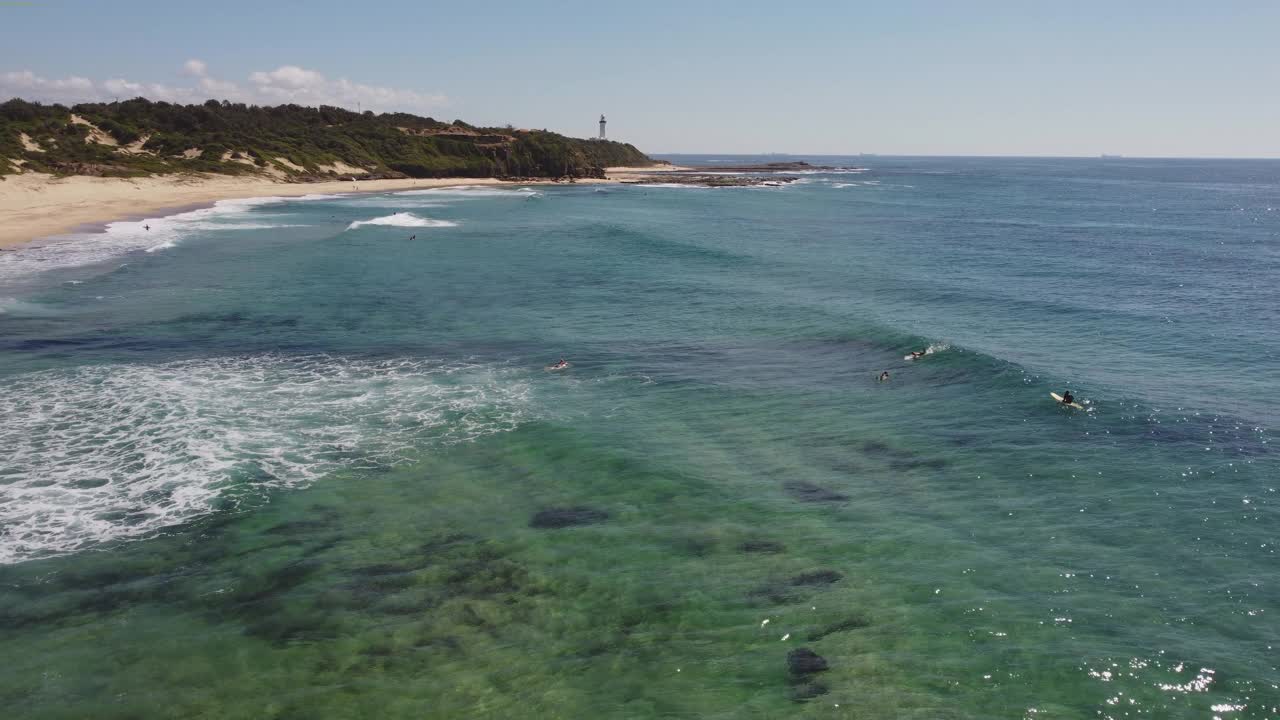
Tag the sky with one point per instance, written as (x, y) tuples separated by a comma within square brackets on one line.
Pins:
[(1031, 77)]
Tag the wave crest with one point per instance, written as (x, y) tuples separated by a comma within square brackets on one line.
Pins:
[(402, 219)]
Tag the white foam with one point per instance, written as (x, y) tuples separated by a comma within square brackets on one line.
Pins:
[(120, 238), (474, 191), (19, 308), (672, 185), (837, 171), (103, 453), (402, 219)]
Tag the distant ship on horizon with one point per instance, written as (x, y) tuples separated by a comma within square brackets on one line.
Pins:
[(1105, 156)]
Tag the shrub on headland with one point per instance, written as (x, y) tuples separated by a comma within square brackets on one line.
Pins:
[(308, 137)]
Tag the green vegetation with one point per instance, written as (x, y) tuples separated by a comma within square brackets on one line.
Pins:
[(139, 137)]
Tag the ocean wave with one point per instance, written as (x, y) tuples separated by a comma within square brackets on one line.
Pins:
[(473, 191), (147, 235), (837, 171), (931, 349), (20, 308), (402, 219), (97, 454), (671, 185)]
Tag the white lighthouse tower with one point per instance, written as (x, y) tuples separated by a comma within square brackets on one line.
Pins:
[(602, 127)]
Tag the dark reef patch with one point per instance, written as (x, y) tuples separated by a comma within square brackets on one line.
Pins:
[(856, 622), (761, 546), (816, 577), (563, 517), (803, 661), (809, 492)]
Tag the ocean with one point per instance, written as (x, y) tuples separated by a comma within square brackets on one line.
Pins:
[(301, 457)]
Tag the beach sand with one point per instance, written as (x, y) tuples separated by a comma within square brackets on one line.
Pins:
[(34, 205)]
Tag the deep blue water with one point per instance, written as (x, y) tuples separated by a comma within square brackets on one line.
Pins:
[(272, 459)]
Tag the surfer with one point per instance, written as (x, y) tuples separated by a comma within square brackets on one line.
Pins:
[(884, 376), (560, 365), (918, 353), (146, 227), (1067, 397), (413, 237)]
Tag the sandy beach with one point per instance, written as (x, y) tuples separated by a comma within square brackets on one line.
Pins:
[(34, 205)]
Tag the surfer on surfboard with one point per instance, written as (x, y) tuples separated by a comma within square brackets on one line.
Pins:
[(1066, 400), (560, 365)]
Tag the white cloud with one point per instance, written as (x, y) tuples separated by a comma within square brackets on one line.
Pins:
[(288, 76), (122, 87), (285, 84), (27, 83), (290, 83)]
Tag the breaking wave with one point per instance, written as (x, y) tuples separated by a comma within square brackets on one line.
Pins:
[(473, 191), (402, 219), (148, 235), (102, 453)]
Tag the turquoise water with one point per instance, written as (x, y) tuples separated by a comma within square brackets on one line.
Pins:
[(272, 459)]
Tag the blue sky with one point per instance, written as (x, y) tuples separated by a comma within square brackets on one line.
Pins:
[(1002, 78)]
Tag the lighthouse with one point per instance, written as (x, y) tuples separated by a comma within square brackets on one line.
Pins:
[(602, 127)]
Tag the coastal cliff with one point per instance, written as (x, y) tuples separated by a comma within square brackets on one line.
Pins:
[(287, 142)]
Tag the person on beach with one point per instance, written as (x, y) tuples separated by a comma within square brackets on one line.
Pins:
[(884, 376), (1067, 397)]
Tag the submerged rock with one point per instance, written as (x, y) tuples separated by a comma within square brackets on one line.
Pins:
[(562, 517), (809, 492), (803, 661), (762, 546), (808, 691), (856, 622), (816, 577), (784, 592)]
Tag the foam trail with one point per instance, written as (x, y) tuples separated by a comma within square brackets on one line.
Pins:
[(103, 453), (402, 219)]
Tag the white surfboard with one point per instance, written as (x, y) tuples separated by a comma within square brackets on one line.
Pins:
[(1058, 397)]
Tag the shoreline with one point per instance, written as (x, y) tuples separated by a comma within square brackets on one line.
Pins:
[(38, 206)]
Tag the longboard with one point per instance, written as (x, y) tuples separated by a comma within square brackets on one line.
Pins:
[(1058, 397)]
